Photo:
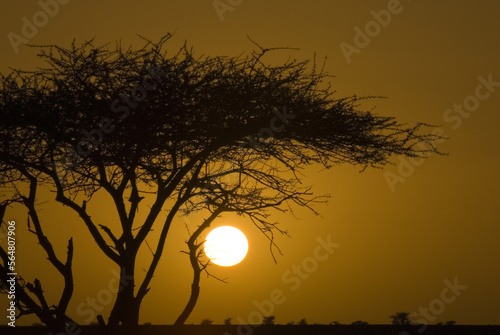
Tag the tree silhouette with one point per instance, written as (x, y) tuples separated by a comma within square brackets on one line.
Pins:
[(268, 320), (359, 323), (401, 318), (29, 296), (206, 322), (187, 134)]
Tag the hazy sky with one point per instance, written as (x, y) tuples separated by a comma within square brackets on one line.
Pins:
[(404, 233)]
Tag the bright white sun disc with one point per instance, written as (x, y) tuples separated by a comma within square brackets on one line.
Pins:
[(226, 246)]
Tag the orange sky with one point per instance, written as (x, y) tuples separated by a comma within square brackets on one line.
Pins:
[(397, 242)]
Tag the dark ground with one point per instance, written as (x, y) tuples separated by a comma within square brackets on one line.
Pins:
[(268, 330)]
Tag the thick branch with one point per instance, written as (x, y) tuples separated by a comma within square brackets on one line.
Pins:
[(194, 260), (166, 226), (61, 197)]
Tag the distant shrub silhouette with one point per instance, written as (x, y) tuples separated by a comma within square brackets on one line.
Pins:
[(450, 323), (268, 320), (227, 321), (359, 323), (207, 322), (302, 322)]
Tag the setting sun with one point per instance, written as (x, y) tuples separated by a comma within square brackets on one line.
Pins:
[(226, 246)]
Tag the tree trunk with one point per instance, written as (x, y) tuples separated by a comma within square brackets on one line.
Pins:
[(195, 293), (126, 308), (193, 258)]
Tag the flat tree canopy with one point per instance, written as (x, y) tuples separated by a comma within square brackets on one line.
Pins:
[(218, 134)]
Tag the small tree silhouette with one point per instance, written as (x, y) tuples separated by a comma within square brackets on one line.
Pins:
[(450, 323), (359, 323), (302, 322), (206, 322), (401, 318), (268, 320), (227, 321)]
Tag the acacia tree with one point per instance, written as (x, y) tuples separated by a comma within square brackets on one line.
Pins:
[(191, 134)]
